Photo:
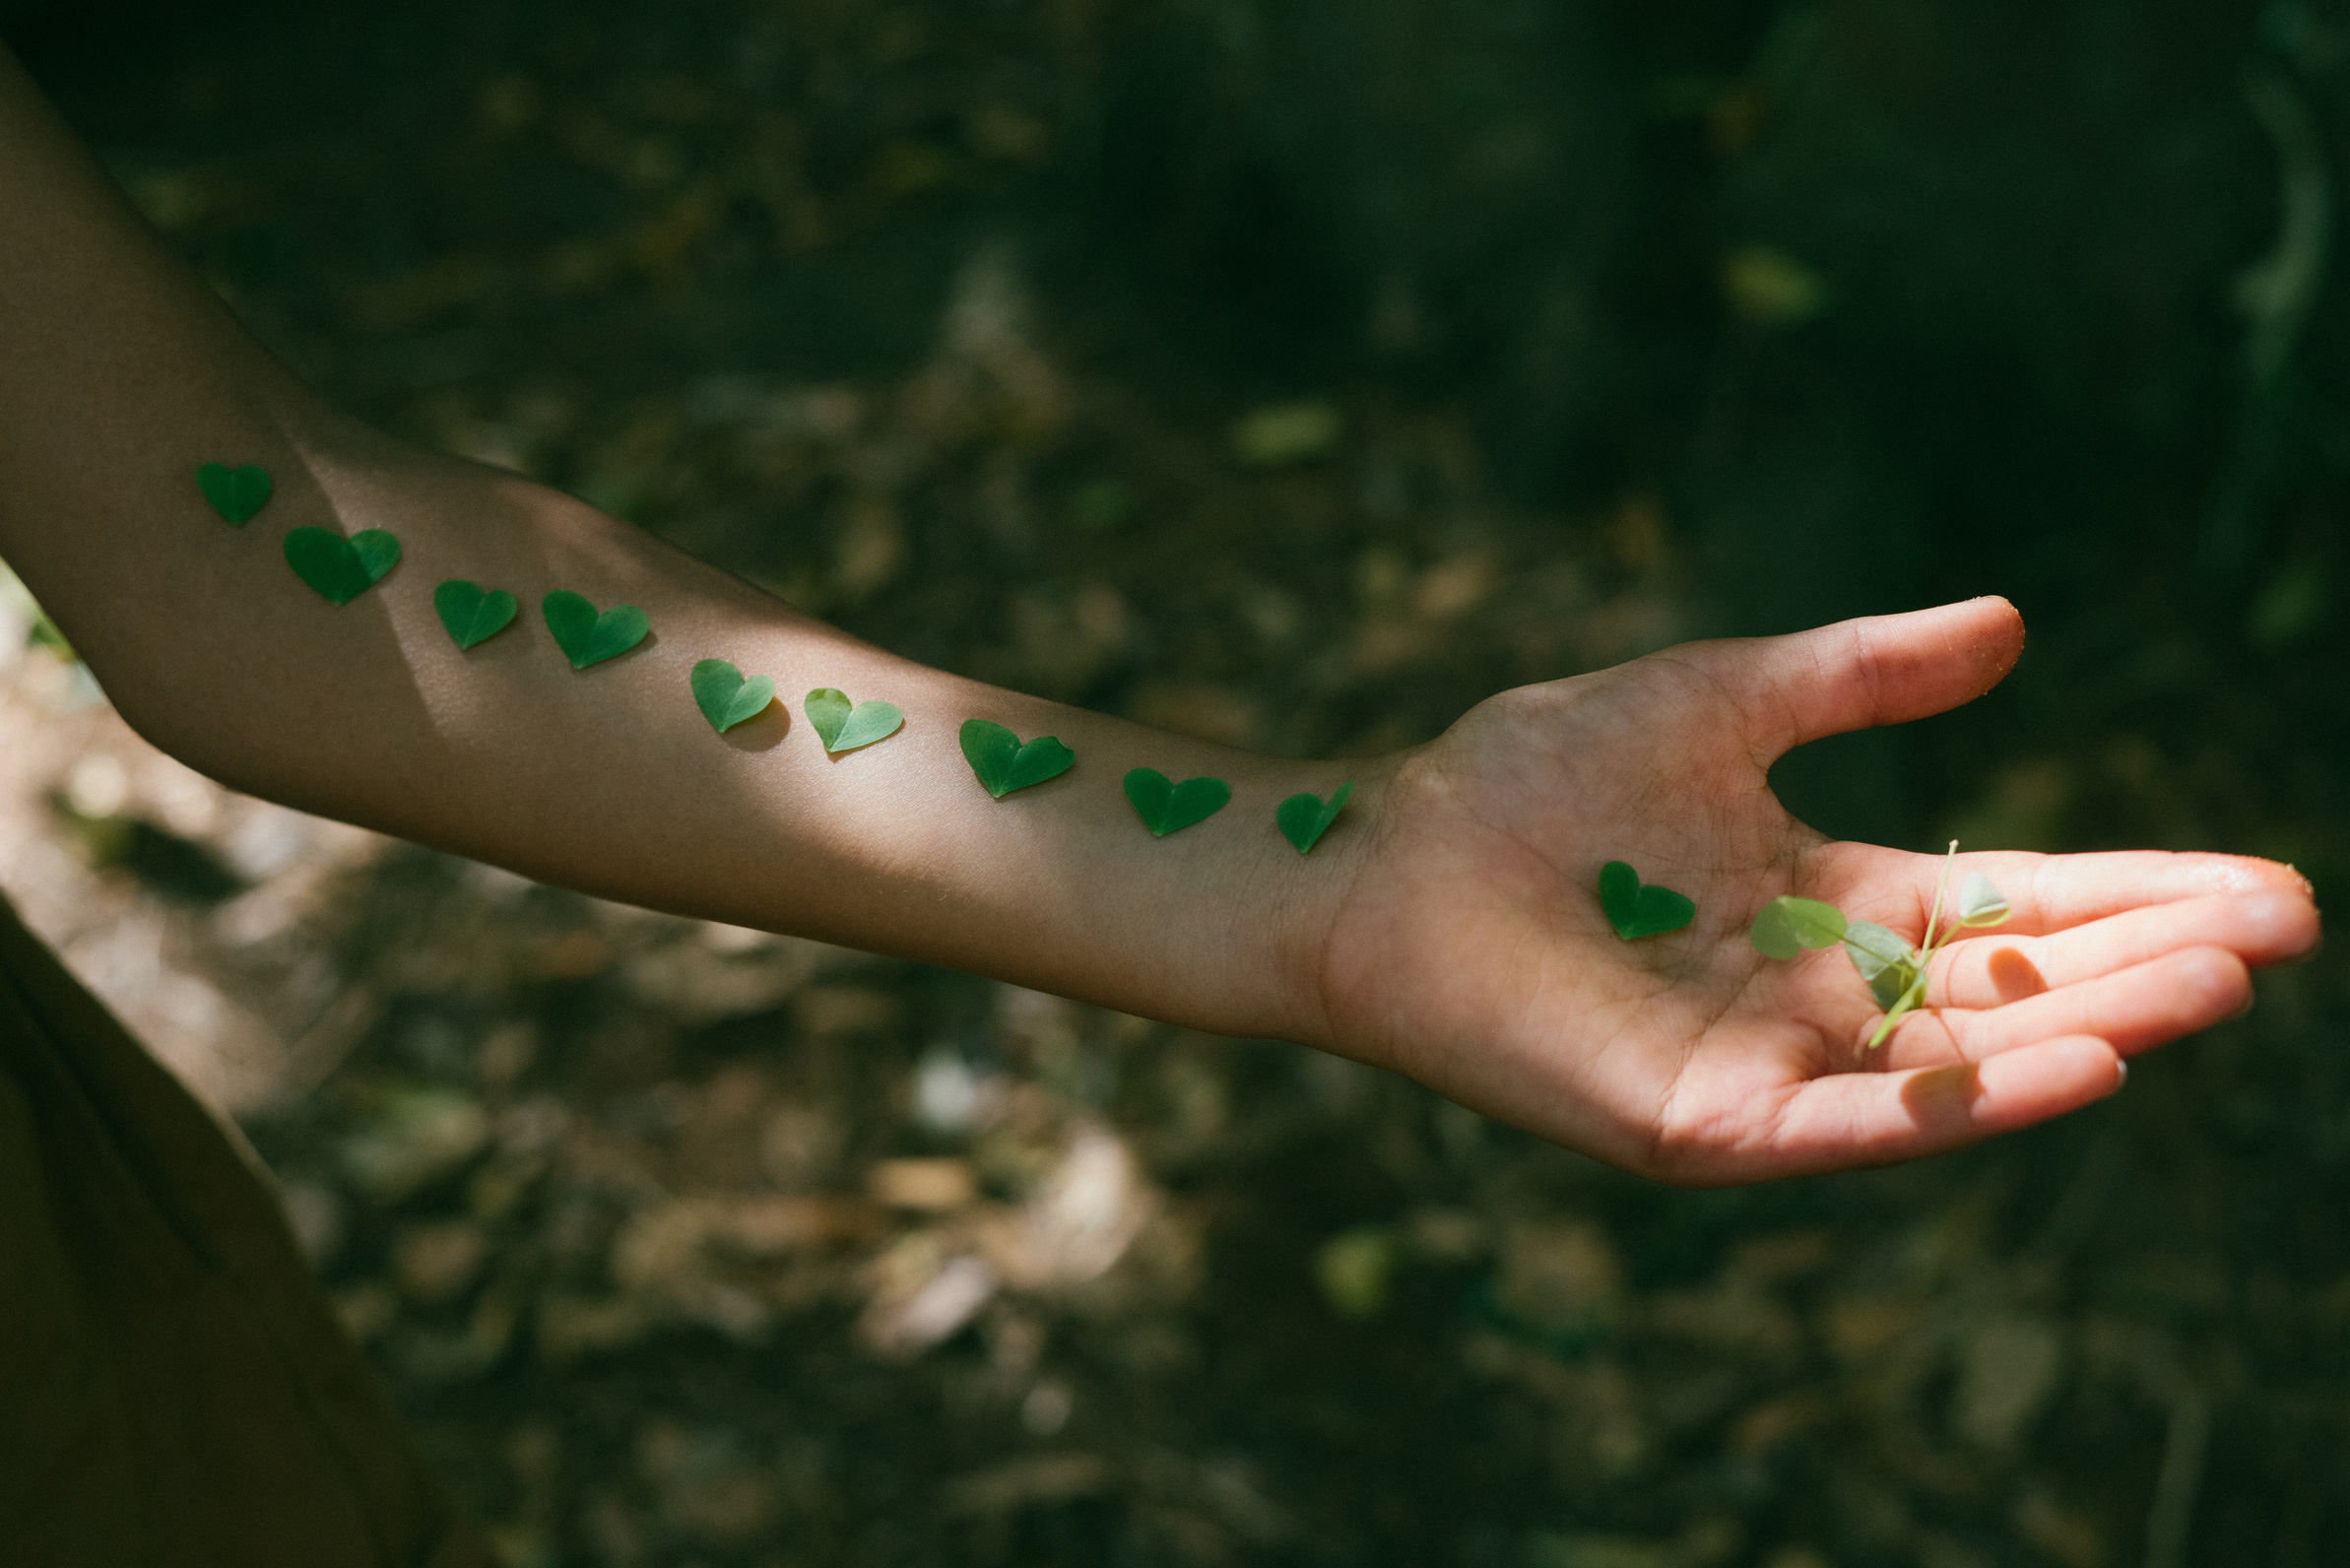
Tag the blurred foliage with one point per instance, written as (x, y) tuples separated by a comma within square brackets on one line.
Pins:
[(1297, 373)]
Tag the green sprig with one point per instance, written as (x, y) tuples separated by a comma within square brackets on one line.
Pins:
[(1894, 972)]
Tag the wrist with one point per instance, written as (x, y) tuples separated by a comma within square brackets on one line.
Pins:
[(1309, 893)]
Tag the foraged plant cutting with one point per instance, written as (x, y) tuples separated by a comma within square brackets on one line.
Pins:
[(1895, 970)]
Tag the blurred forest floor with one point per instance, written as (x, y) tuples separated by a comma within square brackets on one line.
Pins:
[(1294, 376)]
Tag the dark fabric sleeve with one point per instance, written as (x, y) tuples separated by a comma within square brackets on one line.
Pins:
[(174, 1387)]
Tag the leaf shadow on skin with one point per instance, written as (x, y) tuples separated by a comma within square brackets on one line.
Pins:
[(2014, 976), (763, 731), (1941, 1098), (480, 753)]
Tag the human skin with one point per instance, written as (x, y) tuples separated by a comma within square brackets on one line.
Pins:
[(1446, 927)]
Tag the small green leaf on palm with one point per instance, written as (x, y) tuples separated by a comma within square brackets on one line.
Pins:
[(1980, 903), (1888, 963), (1785, 926)]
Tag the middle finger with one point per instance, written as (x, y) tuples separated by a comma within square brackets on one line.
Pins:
[(2131, 1010)]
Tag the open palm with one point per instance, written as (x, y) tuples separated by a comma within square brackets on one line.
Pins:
[(1472, 954)]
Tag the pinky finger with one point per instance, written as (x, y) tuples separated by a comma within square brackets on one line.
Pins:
[(1850, 1119)]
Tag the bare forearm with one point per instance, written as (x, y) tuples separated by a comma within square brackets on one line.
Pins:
[(610, 779), (605, 779), (118, 363)]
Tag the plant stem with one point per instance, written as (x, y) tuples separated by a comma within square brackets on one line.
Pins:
[(1926, 950), (1914, 995)]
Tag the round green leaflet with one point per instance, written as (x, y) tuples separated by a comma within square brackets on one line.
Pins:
[(1980, 903), (1785, 926), (1883, 959)]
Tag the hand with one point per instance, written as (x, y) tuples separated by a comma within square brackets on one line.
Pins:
[(1471, 953)]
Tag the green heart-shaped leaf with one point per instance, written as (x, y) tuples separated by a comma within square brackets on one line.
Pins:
[(1304, 819), (471, 613), (341, 569), (587, 636), (1004, 764), (1167, 807), (843, 727), (1785, 926), (1636, 910), (725, 698), (236, 493)]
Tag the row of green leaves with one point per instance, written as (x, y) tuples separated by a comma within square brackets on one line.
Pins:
[(1004, 763), (339, 569)]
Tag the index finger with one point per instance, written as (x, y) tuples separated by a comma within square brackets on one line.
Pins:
[(2046, 894), (1987, 968)]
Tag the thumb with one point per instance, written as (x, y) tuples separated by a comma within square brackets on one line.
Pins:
[(1859, 674)]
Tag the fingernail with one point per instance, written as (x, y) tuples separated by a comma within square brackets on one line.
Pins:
[(2121, 1076), (2248, 999)]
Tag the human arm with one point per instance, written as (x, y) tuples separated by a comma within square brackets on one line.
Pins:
[(124, 375), (1446, 929)]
